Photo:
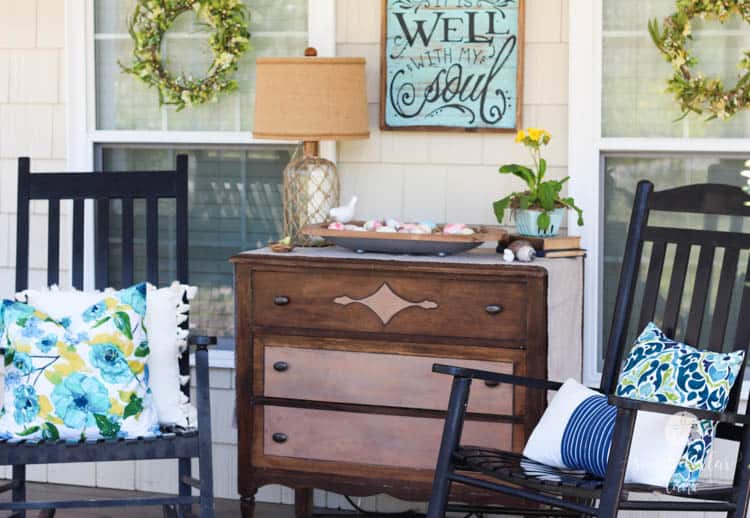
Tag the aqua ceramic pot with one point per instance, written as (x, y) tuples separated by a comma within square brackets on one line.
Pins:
[(526, 222)]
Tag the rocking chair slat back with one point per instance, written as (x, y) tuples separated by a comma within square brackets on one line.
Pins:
[(651, 292), (102, 188), (713, 283), (723, 299), (676, 288), (102, 243), (53, 242), (152, 240), (701, 287), (78, 242), (128, 268)]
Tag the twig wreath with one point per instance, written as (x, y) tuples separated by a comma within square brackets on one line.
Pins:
[(230, 39), (695, 92)]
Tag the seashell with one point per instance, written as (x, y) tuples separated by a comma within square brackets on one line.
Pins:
[(509, 256), (373, 224), (429, 225), (409, 227), (453, 228), (354, 228), (523, 251), (393, 223), (422, 229), (457, 229), (387, 229), (336, 226)]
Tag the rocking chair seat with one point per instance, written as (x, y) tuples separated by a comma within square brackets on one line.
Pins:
[(177, 444), (521, 471)]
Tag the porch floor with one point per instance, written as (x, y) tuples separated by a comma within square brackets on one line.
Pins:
[(224, 508)]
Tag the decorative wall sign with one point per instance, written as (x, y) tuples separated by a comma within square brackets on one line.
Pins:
[(452, 65)]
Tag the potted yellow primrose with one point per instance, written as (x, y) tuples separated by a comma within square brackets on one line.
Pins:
[(539, 210)]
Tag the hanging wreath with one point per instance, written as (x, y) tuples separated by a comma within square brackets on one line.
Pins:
[(229, 40), (695, 92)]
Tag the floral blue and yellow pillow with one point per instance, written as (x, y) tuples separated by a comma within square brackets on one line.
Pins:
[(82, 377), (662, 370)]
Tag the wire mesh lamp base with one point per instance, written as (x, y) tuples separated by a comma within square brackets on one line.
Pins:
[(311, 190)]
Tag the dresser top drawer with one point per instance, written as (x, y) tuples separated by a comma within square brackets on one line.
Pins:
[(355, 301)]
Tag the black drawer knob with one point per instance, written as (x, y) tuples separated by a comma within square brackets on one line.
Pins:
[(281, 366), (492, 384), (494, 309), (279, 437), (281, 300)]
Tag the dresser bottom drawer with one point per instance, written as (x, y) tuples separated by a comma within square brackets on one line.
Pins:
[(370, 439)]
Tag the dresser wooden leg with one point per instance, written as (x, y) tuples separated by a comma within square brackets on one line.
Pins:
[(303, 502), (247, 506)]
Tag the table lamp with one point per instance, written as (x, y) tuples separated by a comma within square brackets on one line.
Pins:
[(310, 99)]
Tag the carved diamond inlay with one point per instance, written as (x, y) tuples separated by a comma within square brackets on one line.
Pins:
[(385, 303)]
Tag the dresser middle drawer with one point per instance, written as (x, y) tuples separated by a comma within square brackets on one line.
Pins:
[(376, 379)]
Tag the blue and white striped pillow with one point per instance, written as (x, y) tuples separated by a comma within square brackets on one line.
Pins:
[(576, 431), (588, 436)]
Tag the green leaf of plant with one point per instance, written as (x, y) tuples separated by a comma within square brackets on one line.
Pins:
[(524, 201), (571, 203), (543, 221), (9, 354), (542, 169), (29, 431), (142, 350), (134, 407), (106, 427), (122, 322), (50, 432), (101, 322), (524, 173), (500, 206), (548, 194)]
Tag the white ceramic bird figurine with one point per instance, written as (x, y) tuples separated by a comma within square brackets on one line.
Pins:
[(345, 213)]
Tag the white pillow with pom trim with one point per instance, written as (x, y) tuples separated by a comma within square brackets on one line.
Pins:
[(165, 311)]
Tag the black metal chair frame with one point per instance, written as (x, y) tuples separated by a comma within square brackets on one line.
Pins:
[(184, 445), (572, 493)]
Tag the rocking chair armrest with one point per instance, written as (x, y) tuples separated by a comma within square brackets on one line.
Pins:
[(201, 342), (665, 408), (496, 377)]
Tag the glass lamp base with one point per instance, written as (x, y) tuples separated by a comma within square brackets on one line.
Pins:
[(311, 190)]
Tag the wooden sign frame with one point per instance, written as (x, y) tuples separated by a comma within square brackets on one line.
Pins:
[(452, 4)]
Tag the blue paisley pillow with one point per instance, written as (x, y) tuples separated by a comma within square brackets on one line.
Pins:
[(662, 370), (80, 377)]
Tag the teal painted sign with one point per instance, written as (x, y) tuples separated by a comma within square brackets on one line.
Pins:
[(452, 64)]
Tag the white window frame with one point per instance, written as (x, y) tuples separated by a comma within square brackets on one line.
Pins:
[(586, 150), (83, 136)]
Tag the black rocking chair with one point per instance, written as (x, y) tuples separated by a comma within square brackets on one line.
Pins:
[(570, 493), (174, 444)]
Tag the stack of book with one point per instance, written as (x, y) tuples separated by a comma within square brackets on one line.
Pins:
[(550, 247)]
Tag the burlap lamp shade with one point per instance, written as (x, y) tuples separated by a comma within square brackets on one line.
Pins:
[(310, 99)]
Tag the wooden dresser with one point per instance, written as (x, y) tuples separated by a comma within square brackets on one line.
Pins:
[(334, 356)]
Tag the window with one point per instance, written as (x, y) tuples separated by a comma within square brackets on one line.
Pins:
[(234, 180), (278, 28), (627, 129), (235, 204)]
